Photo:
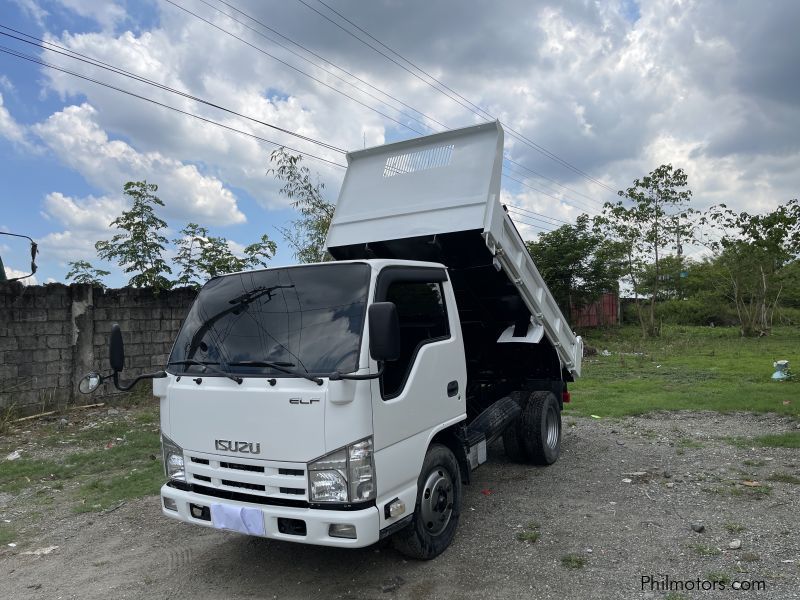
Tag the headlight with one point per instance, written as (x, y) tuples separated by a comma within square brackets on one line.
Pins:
[(173, 459), (345, 475)]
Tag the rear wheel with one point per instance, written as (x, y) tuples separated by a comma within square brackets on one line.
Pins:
[(541, 427), (437, 509)]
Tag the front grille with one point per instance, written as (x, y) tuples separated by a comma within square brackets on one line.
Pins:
[(297, 472), (242, 467), (236, 476), (247, 486)]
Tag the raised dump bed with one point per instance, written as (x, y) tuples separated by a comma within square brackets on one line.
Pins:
[(437, 198)]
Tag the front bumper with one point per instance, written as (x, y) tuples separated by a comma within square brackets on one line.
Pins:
[(317, 521)]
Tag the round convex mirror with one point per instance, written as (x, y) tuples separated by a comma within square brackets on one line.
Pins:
[(89, 383)]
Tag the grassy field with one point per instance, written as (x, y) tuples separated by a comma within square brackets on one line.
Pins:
[(688, 368), (92, 467)]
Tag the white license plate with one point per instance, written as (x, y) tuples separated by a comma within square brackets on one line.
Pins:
[(242, 519)]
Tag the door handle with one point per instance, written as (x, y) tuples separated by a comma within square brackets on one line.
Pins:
[(452, 388)]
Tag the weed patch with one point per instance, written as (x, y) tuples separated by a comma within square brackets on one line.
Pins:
[(531, 533), (784, 478), (705, 550), (573, 561), (734, 527), (7, 534), (718, 577)]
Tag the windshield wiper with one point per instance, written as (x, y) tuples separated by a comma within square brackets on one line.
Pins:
[(207, 367), (279, 366)]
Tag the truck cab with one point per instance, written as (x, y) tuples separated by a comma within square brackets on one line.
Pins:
[(341, 402), (300, 439)]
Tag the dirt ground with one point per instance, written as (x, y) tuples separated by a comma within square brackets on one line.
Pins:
[(618, 507)]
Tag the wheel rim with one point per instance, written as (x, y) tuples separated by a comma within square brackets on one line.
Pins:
[(553, 427), (436, 506)]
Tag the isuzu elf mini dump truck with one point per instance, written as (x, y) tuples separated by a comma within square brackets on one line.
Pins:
[(342, 402)]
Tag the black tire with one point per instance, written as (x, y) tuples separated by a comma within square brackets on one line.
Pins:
[(541, 428), (439, 485), (512, 436)]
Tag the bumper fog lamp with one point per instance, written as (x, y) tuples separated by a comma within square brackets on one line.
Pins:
[(170, 504), (396, 508), (342, 530)]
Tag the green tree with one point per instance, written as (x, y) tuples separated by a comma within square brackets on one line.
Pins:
[(187, 257), (752, 251), (139, 247), (201, 256), (82, 271), (789, 280), (578, 263), (307, 234), (653, 219)]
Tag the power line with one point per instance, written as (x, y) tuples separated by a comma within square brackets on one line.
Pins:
[(522, 208), (515, 134), (574, 203), (458, 98), (161, 104), (291, 66), (522, 215), (518, 219), (537, 174), (109, 67), (301, 57), (386, 56), (519, 181), (323, 59)]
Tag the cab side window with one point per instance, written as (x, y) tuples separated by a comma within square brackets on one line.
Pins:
[(423, 318)]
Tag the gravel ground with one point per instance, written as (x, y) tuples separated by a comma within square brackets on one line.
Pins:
[(680, 469)]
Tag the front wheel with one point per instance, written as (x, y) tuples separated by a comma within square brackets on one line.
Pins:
[(437, 509)]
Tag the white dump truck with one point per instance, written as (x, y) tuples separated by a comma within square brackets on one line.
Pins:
[(342, 402)]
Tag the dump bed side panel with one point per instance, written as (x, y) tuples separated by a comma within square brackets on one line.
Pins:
[(508, 248), (410, 200)]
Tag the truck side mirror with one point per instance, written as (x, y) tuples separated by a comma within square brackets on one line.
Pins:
[(116, 349), (90, 382), (384, 331)]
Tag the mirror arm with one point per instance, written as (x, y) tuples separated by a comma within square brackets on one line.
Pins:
[(122, 387), (336, 376)]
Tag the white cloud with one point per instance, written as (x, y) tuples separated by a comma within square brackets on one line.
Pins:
[(85, 220), (106, 13), (10, 129), (708, 86), (75, 137), (88, 214), (33, 9)]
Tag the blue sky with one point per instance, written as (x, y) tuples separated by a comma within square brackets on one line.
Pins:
[(614, 89)]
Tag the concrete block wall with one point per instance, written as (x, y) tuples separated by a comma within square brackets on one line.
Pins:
[(51, 335)]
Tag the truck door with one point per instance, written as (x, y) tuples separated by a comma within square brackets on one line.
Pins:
[(425, 387)]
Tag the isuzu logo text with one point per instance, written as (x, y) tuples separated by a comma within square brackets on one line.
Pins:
[(243, 447)]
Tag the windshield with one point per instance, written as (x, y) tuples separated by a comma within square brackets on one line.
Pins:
[(304, 319)]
